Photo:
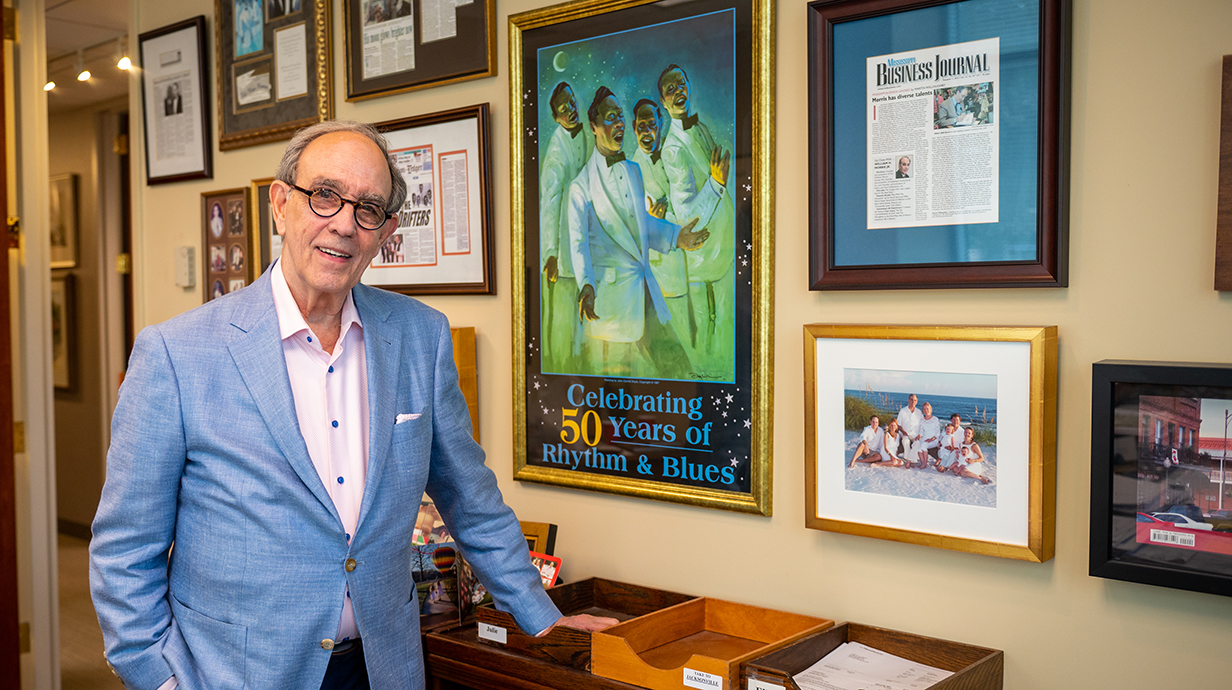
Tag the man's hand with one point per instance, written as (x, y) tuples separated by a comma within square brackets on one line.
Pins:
[(659, 208), (582, 621), (720, 162), (550, 269), (586, 304), (689, 240)]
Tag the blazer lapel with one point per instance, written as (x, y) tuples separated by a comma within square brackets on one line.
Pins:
[(612, 223), (382, 348), (257, 351)]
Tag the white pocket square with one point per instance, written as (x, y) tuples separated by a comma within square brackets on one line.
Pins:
[(407, 417)]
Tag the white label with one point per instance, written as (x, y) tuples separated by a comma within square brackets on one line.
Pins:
[(1165, 537), (762, 685), (702, 680), (492, 632)]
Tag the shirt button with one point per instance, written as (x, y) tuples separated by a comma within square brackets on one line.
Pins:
[(327, 644), (309, 338), (350, 565), (340, 480), (334, 424), (331, 370)]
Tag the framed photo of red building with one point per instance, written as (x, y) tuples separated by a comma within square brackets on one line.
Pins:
[(1161, 508)]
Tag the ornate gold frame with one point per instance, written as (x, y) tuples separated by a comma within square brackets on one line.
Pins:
[(323, 95), (760, 498), (1041, 518)]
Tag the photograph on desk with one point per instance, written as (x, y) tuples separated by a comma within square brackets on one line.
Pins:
[(1161, 509), (934, 435), (641, 208)]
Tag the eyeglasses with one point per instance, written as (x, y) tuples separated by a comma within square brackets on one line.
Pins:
[(326, 203)]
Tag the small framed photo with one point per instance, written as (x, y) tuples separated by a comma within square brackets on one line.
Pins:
[(941, 436), (444, 230), (177, 112), (227, 261), (274, 69), (266, 242), (64, 221), (63, 332), (1161, 506), (394, 46), (548, 567)]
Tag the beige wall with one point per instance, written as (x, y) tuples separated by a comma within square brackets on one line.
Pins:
[(1144, 163)]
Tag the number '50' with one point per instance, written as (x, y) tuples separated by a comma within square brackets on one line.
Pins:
[(590, 432)]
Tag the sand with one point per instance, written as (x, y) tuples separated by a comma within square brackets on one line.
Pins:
[(925, 484)]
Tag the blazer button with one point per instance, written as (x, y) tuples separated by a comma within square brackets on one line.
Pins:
[(350, 565), (327, 644)]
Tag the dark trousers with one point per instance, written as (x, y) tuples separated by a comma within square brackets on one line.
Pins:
[(347, 670)]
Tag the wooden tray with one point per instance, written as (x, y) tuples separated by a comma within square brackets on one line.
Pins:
[(974, 668), (703, 640), (566, 646)]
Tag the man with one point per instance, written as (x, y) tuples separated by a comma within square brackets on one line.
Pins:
[(173, 104), (930, 436), (697, 172), (610, 236), (872, 440), (904, 168), (399, 9), (669, 269), (281, 438), (568, 149), (951, 109), (909, 420)]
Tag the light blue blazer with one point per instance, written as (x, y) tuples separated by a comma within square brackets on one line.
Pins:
[(206, 454)]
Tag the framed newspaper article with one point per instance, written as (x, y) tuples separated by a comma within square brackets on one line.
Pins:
[(444, 230), (938, 143), (177, 113), (1161, 508), (274, 69), (394, 46), (943, 436), (642, 248)]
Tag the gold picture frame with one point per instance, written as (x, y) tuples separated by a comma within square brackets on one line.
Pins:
[(856, 372), (750, 391)]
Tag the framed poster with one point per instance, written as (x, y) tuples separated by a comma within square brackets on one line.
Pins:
[(63, 332), (938, 143), (1161, 508), (642, 249), (274, 69), (941, 436), (227, 263), (444, 230), (173, 96), (394, 46), (266, 242), (64, 221)]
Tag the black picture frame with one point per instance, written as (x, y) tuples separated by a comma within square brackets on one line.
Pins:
[(1142, 457), (844, 253), (172, 60), (470, 53)]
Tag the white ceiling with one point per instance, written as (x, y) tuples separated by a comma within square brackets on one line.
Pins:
[(74, 24)]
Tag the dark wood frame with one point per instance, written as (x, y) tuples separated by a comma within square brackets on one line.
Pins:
[(71, 219), (1223, 215), (448, 73), (479, 113), (244, 240), (1051, 267), (255, 127), (1103, 561), (207, 148)]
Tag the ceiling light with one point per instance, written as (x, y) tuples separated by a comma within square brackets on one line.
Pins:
[(83, 74), (124, 63), (49, 86)]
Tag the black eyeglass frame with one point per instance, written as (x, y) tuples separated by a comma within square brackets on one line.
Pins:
[(355, 204)]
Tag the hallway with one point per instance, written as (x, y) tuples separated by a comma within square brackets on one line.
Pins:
[(82, 666)]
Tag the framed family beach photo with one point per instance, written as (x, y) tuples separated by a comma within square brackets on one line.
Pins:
[(941, 436), (642, 247)]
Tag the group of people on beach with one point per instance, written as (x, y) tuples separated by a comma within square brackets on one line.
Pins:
[(917, 439)]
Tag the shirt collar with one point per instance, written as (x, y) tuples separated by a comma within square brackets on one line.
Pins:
[(291, 320)]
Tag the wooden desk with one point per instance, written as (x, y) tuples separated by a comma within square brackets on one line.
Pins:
[(456, 659)]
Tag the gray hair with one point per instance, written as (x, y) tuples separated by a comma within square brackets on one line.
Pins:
[(289, 165)]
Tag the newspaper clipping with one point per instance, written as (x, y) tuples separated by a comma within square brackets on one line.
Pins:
[(389, 37), (414, 242), (933, 144)]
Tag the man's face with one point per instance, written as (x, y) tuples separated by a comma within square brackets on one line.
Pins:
[(610, 127), (911, 400), (874, 423), (904, 165), (674, 93), (565, 110), (326, 256), (648, 128)]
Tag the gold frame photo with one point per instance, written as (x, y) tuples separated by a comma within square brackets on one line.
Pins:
[(717, 453), (985, 485), (228, 262)]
